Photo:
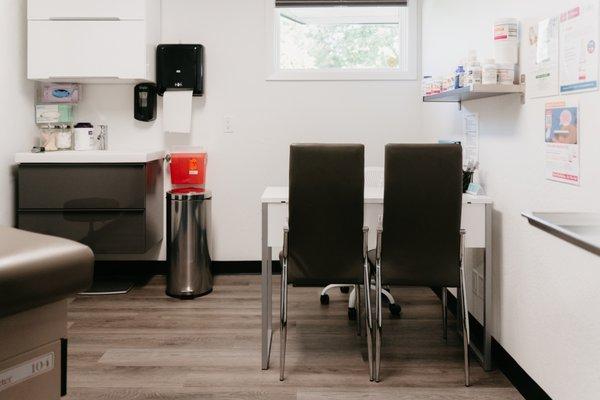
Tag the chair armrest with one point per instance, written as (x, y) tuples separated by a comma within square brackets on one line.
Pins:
[(365, 241), (286, 232), (463, 233), (379, 238)]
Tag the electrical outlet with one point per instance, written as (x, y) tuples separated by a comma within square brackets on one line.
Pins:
[(228, 124)]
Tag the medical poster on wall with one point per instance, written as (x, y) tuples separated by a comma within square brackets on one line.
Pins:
[(471, 139), (579, 49), (562, 142), (541, 52)]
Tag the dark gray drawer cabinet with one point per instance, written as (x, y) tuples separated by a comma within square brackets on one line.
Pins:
[(113, 208)]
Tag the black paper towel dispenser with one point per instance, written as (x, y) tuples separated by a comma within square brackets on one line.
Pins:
[(180, 67)]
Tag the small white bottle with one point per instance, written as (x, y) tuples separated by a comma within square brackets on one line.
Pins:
[(473, 74), (427, 85), (436, 86), (490, 72)]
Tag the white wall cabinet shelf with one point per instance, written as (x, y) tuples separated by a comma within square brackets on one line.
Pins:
[(92, 41), (474, 92)]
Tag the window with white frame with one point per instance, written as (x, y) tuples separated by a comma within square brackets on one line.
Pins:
[(342, 39)]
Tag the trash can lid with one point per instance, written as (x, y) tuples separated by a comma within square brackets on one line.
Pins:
[(189, 194)]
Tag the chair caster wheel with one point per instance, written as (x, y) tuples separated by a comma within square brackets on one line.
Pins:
[(352, 314), (345, 289), (395, 309), (324, 299)]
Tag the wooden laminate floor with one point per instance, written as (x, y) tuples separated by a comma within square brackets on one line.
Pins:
[(145, 345)]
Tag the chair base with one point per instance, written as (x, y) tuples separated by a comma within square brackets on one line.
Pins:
[(394, 308)]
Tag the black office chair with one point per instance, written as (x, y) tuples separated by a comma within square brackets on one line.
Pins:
[(326, 241), (420, 242)]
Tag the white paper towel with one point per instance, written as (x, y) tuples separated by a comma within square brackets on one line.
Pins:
[(177, 111)]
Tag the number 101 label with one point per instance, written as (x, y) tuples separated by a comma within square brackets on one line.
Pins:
[(27, 370)]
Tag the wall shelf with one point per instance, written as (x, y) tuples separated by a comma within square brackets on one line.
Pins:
[(580, 229), (474, 92)]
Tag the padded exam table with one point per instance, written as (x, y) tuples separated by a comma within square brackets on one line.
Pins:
[(37, 275)]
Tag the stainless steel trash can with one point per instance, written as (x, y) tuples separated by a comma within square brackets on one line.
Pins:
[(187, 243)]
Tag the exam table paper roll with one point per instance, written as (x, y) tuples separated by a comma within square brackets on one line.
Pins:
[(177, 111)]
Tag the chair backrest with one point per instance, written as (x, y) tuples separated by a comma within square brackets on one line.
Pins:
[(422, 213), (326, 205)]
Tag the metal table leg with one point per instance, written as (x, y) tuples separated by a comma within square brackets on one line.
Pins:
[(487, 312), (266, 290)]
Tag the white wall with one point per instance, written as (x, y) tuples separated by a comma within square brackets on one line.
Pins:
[(16, 108), (545, 290), (268, 116)]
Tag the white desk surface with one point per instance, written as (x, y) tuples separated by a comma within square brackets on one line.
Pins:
[(279, 194), (93, 156)]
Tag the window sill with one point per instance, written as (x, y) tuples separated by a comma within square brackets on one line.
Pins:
[(341, 75)]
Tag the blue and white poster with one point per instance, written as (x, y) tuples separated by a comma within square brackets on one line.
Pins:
[(579, 49)]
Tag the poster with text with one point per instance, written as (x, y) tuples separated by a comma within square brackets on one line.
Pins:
[(562, 142), (541, 58), (579, 49), (470, 140)]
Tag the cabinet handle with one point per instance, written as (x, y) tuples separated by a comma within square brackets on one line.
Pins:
[(84, 77), (85, 19)]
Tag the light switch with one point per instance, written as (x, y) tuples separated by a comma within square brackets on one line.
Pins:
[(228, 124)]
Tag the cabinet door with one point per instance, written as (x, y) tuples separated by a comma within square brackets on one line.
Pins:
[(473, 221), (86, 9), (81, 186), (87, 49), (105, 232)]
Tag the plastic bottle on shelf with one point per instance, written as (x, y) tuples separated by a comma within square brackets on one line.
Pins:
[(473, 74), (459, 79), (436, 86), (448, 83), (452, 82), (490, 72), (427, 85)]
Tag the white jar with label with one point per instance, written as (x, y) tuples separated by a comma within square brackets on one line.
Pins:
[(83, 135), (506, 41), (490, 73), (506, 74)]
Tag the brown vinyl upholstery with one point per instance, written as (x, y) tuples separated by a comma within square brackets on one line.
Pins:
[(326, 205), (37, 269), (422, 213)]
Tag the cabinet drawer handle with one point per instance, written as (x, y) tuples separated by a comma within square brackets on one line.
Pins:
[(84, 77), (85, 19)]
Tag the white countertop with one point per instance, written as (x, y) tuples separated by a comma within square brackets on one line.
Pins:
[(373, 195), (95, 156)]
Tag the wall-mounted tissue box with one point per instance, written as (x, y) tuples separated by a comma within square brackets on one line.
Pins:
[(180, 67), (60, 93)]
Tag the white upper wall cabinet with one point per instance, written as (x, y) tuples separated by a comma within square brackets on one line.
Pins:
[(92, 41), (86, 9)]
